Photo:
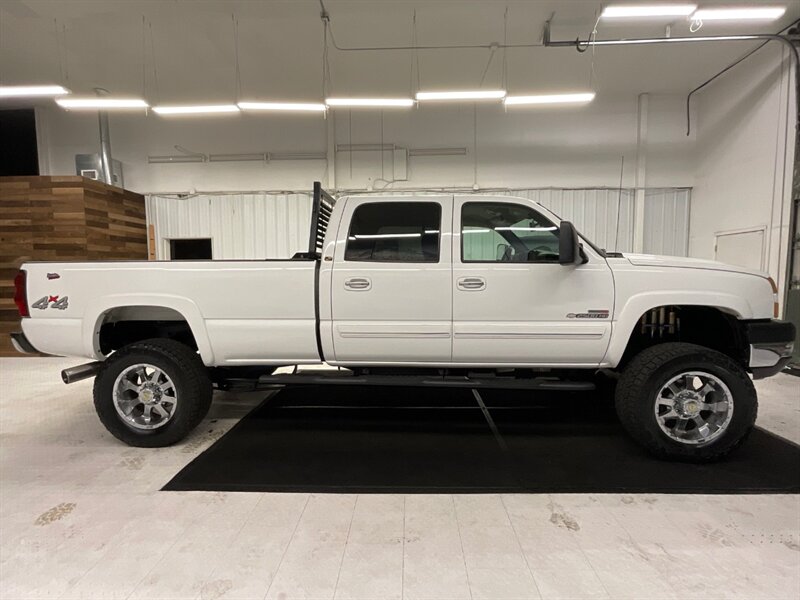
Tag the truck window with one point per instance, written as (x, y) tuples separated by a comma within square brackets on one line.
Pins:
[(395, 232), (504, 232)]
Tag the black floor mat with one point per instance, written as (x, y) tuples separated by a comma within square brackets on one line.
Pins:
[(413, 440)]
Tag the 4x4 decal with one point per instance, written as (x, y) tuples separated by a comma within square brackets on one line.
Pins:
[(51, 302)]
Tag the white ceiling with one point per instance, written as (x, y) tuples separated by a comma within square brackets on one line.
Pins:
[(280, 47)]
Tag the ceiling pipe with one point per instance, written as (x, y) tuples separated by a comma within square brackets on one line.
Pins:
[(105, 140), (583, 45)]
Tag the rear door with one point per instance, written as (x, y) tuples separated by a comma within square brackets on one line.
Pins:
[(513, 303), (391, 281)]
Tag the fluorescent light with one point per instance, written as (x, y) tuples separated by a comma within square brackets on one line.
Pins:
[(381, 102), (196, 109), (654, 10), (463, 95), (739, 14), (23, 91), (300, 106), (104, 103), (550, 99)]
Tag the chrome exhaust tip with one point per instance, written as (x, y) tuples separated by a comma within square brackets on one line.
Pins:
[(81, 372)]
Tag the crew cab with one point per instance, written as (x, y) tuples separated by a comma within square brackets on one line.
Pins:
[(435, 289)]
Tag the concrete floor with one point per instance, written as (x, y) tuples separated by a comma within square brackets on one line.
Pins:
[(81, 517)]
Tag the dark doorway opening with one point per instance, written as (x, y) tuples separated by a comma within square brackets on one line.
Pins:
[(193, 249), (19, 153)]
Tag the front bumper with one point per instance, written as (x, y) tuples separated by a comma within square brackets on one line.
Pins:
[(771, 345), (21, 343)]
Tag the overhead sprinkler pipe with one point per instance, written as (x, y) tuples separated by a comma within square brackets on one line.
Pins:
[(583, 45)]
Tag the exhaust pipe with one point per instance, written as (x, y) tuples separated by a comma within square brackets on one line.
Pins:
[(81, 372)]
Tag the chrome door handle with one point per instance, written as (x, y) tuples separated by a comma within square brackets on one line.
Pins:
[(472, 284), (358, 284)]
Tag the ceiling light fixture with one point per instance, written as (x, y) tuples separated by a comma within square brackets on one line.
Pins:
[(103, 103), (766, 13), (29, 91), (365, 102), (196, 109), (285, 106), (462, 95), (550, 99), (656, 10)]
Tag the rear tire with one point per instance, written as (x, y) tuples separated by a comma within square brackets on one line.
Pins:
[(152, 393), (686, 402)]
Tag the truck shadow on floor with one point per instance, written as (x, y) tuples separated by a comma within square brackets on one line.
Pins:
[(420, 440)]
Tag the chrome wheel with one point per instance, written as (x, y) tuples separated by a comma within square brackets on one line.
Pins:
[(145, 397), (694, 408)]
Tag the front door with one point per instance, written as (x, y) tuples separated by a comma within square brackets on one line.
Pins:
[(391, 278), (513, 303)]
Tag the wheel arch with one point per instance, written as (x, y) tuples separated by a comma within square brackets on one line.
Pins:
[(146, 309), (724, 310)]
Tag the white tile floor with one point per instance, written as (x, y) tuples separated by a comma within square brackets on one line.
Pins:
[(81, 517)]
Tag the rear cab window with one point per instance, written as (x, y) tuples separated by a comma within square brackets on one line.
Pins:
[(395, 232)]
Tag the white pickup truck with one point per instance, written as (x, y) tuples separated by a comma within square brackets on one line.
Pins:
[(458, 290)]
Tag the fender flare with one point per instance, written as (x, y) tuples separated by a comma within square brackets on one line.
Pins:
[(98, 307), (637, 305)]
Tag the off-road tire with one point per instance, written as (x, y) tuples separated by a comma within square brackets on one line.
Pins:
[(642, 380), (192, 386)]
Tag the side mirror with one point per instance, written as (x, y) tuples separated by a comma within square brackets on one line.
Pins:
[(569, 249)]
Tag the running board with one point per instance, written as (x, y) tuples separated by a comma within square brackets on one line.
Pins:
[(534, 383)]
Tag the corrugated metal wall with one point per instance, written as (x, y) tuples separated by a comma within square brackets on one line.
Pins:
[(240, 226), (255, 226), (593, 211), (666, 221)]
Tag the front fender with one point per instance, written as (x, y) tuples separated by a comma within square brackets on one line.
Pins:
[(98, 307), (627, 317)]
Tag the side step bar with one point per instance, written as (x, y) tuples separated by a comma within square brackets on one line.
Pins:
[(534, 383)]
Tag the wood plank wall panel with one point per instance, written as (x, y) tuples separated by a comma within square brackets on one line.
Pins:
[(64, 218)]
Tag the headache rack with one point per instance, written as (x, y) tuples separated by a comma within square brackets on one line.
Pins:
[(320, 218)]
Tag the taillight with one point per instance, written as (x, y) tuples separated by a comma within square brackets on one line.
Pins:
[(21, 294)]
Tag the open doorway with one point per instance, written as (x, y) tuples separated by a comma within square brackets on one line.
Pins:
[(190, 249)]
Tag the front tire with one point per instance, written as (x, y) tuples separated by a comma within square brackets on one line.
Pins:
[(686, 402), (152, 393)]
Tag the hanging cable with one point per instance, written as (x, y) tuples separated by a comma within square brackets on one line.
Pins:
[(238, 72), (504, 75), (475, 146), (153, 59), (619, 203), (488, 63), (416, 51), (592, 75), (144, 60)]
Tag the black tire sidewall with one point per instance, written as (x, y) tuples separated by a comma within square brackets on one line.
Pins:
[(745, 405), (179, 425)]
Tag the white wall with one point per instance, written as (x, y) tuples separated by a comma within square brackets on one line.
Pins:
[(745, 141), (577, 146), (262, 225)]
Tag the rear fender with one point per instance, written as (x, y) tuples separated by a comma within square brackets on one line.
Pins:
[(99, 307)]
